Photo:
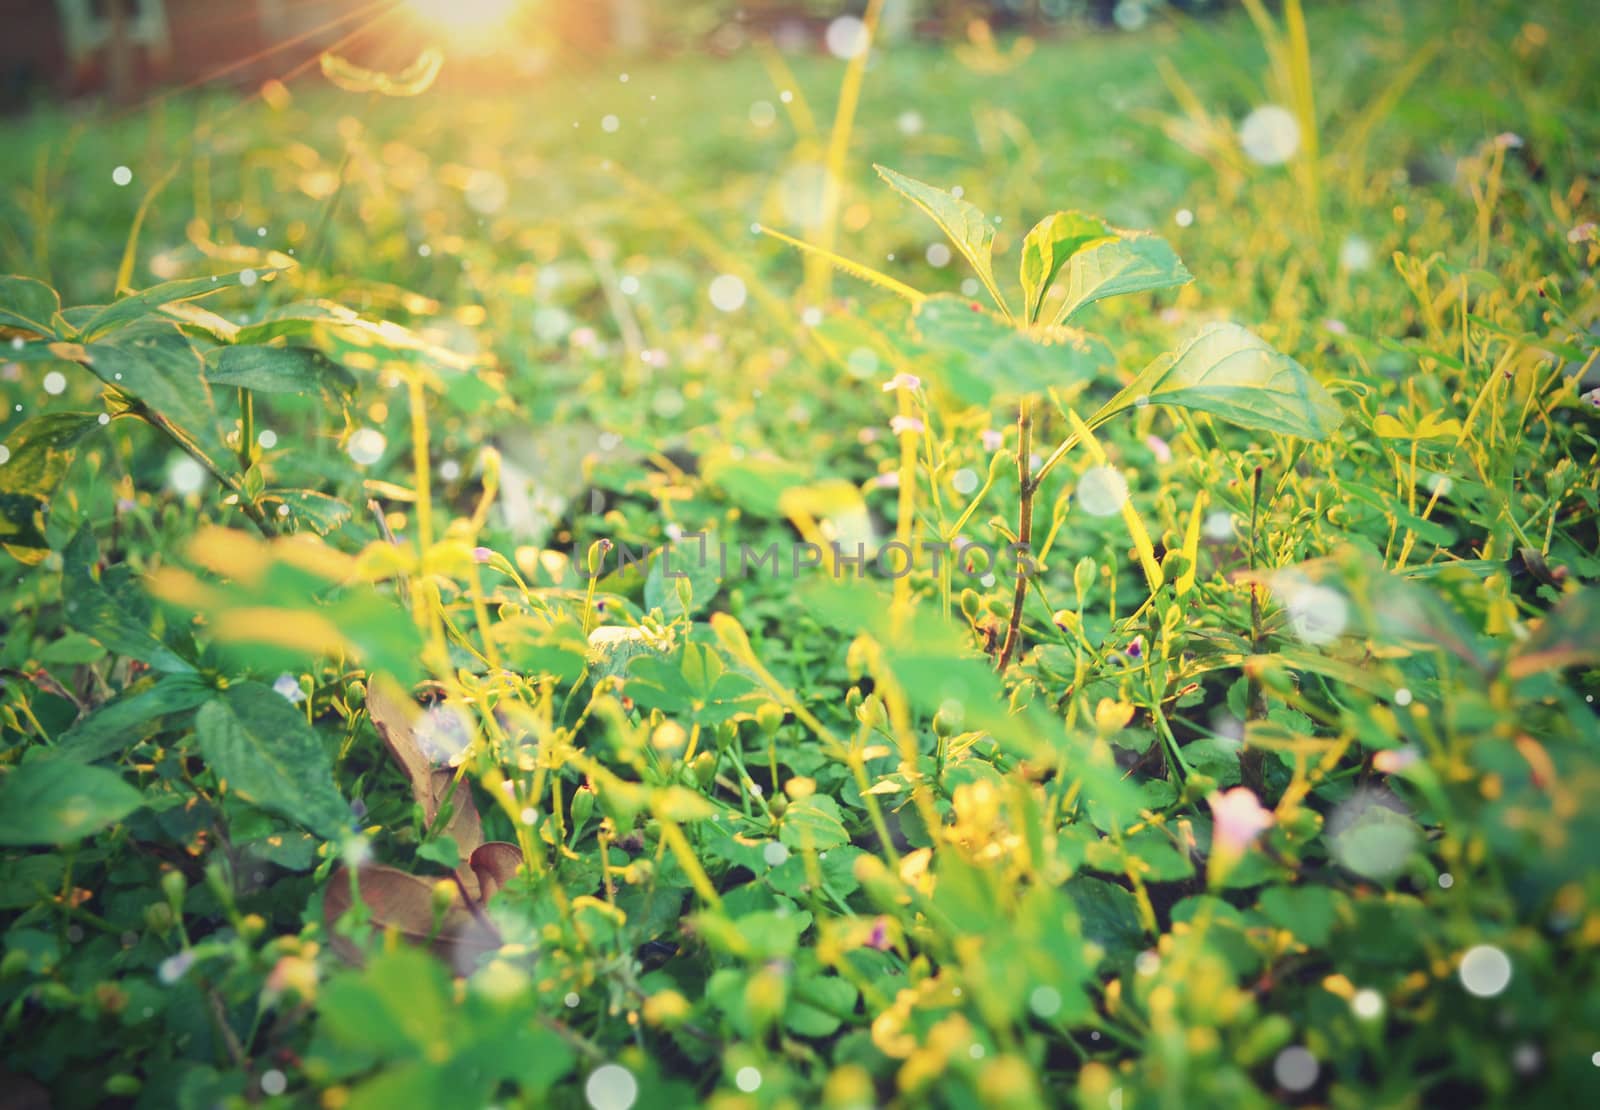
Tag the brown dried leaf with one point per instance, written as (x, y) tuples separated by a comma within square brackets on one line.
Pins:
[(494, 864), (404, 902), (394, 715)]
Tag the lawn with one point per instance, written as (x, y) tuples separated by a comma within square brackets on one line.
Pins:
[(648, 584)]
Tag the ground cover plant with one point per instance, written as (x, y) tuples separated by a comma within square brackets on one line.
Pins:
[(993, 574)]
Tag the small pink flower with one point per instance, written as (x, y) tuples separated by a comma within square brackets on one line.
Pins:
[(887, 480), (1509, 139), (1158, 447), (1593, 397), (482, 554), (902, 381), (1394, 760), (1337, 327), (1581, 232), (992, 439), (879, 937), (867, 435), (1238, 818), (1136, 648), (900, 425)]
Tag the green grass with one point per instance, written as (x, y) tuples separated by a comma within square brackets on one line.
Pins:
[(780, 838)]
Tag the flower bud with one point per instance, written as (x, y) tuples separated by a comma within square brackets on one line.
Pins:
[(582, 806), (769, 718)]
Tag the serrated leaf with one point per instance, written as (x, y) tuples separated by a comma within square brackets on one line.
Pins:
[(689, 561), (981, 358), (968, 229), (253, 738), (49, 801), (118, 724), (120, 623), (278, 370), (308, 509), (1133, 262), (158, 366), (148, 302), (1053, 241), (41, 450), (1236, 376), (28, 305), (814, 823)]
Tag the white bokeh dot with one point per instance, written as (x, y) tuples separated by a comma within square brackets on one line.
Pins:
[(1270, 135), (611, 1087), (268, 439), (1367, 1004), (1102, 491), (610, 124), (1295, 1068), (1485, 970), (847, 37), (964, 480), (186, 476), (1045, 1001), (366, 446), (121, 176), (938, 255), (776, 853), (55, 383), (1317, 614), (273, 1082), (728, 293), (747, 1080)]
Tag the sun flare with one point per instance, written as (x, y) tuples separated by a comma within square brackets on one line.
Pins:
[(464, 17)]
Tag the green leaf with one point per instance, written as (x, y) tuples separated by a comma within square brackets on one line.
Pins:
[(115, 725), (814, 823), (967, 227), (1306, 911), (690, 561), (49, 801), (399, 1002), (152, 300), (1053, 241), (113, 616), (1134, 262), (1108, 914), (158, 365), (252, 737), (981, 358), (42, 450), (278, 370), (818, 1006), (308, 509), (1236, 376), (28, 304)]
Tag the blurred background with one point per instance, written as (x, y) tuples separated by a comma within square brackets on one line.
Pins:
[(122, 49)]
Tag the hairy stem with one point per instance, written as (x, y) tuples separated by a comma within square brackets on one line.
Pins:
[(1028, 486)]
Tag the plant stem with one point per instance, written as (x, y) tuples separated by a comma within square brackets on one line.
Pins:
[(1027, 486), (247, 430)]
